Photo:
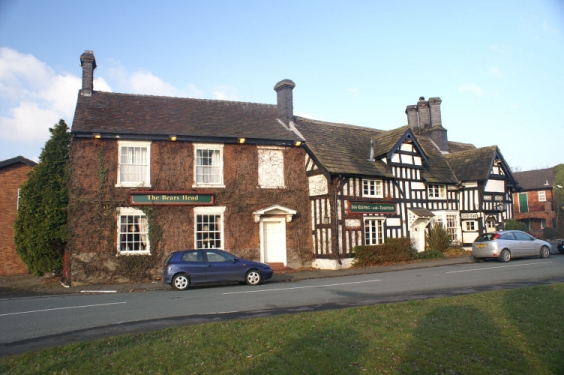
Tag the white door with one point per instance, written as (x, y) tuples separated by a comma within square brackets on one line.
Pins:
[(274, 241)]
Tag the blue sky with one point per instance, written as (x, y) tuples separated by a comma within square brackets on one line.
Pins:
[(496, 65)]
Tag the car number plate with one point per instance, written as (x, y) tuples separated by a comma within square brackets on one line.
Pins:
[(481, 245)]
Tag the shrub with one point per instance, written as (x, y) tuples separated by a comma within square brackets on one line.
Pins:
[(438, 238), (550, 233), (511, 224), (429, 254), (392, 250)]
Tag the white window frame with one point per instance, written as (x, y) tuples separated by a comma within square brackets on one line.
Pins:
[(447, 219), (146, 180), (542, 196), (369, 239), (208, 147), (19, 198), (436, 191), (143, 233), (470, 226), (271, 167), (372, 188), (210, 211), (490, 223)]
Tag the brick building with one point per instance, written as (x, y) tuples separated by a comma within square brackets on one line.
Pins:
[(13, 173), (150, 175), (534, 204)]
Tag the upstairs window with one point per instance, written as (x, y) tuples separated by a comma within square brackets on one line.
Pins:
[(270, 167), (437, 191), (542, 196), (134, 164), (372, 188), (208, 166)]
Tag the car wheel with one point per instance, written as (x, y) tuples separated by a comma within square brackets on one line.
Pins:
[(253, 277), (504, 256), (180, 282), (544, 252)]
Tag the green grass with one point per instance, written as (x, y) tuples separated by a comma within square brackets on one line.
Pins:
[(509, 332)]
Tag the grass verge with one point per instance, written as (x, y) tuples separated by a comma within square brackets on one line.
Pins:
[(508, 332)]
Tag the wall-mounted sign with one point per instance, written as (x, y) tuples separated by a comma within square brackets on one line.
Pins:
[(469, 216), (372, 208), (171, 198)]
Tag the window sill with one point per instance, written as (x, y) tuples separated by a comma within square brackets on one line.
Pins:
[(208, 186), (133, 185), (133, 252)]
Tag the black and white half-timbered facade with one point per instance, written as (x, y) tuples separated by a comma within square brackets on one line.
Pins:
[(367, 185)]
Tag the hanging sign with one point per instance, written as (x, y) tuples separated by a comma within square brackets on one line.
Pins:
[(171, 198), (372, 208)]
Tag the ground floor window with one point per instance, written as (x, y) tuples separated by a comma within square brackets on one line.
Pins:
[(449, 221), (490, 223), (209, 227), (373, 231), (133, 231), (470, 225)]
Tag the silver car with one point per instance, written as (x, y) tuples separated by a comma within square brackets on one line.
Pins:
[(509, 244)]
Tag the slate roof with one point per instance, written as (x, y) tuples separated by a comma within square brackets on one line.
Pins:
[(17, 159), (472, 165), (458, 146), (342, 148), (538, 179), (127, 114), (438, 170)]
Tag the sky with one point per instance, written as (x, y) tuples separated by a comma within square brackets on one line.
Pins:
[(498, 66)]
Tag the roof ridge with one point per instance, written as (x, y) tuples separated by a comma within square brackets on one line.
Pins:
[(185, 98), (339, 124)]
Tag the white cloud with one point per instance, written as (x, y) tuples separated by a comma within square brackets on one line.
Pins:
[(354, 91), (496, 72), (34, 97), (225, 93), (146, 83), (472, 88)]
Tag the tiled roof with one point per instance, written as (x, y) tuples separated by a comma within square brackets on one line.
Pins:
[(537, 179), (458, 146), (127, 114), (473, 164), (342, 148), (438, 170), (17, 159)]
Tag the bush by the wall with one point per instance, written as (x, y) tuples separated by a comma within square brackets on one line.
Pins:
[(438, 238), (429, 254), (392, 250), (550, 233), (511, 224)]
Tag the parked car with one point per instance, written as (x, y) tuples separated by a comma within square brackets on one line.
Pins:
[(560, 246), (186, 267), (509, 244)]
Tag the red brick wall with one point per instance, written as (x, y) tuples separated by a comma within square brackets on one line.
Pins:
[(537, 210), (11, 178), (92, 244)]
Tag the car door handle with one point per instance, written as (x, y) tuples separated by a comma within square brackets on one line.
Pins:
[(210, 265)]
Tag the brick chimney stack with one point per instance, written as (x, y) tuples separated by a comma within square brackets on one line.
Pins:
[(88, 64), (423, 112), (285, 101), (435, 106), (412, 120)]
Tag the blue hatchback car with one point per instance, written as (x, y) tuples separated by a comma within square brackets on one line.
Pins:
[(186, 267)]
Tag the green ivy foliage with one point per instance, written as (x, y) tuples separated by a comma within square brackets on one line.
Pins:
[(40, 228), (393, 250)]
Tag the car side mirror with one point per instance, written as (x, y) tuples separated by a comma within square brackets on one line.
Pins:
[(235, 260)]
